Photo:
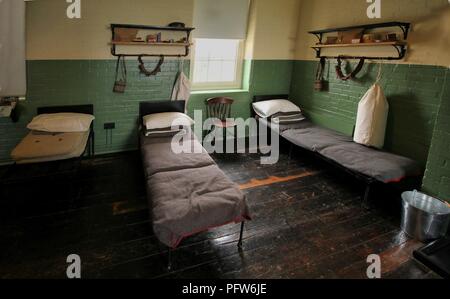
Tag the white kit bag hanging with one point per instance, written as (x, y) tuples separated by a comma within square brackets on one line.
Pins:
[(371, 120), (182, 86)]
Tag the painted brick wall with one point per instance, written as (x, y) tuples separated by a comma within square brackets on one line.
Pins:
[(271, 76), (66, 82), (437, 176), (413, 92)]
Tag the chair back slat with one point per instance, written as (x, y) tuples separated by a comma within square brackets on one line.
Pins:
[(219, 107)]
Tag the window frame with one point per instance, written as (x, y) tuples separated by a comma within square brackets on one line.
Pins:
[(220, 85)]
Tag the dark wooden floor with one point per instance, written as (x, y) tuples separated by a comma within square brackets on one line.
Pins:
[(308, 223)]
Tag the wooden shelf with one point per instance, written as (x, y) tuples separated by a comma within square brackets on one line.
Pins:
[(146, 27), (398, 43), (399, 46), (135, 28), (150, 44), (365, 27)]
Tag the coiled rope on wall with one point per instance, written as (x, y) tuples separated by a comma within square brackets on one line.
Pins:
[(353, 74), (155, 71)]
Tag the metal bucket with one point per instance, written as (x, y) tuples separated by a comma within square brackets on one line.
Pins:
[(424, 218)]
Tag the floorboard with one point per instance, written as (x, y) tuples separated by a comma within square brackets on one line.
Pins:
[(308, 222)]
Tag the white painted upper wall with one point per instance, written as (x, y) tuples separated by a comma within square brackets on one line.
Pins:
[(429, 38), (273, 29), (51, 35), (277, 29)]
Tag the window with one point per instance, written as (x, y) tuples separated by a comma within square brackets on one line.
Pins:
[(217, 64)]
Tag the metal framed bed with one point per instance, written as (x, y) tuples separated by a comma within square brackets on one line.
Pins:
[(53, 168), (370, 182), (146, 108), (85, 109)]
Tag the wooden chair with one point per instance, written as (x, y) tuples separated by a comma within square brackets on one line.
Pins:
[(220, 109)]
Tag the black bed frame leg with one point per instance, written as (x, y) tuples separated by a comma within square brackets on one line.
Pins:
[(291, 148), (241, 235), (93, 145), (169, 259), (366, 196)]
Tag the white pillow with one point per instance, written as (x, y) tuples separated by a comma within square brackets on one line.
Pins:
[(61, 122), (167, 120), (266, 109)]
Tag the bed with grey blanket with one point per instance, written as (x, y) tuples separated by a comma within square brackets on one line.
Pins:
[(187, 192), (373, 163)]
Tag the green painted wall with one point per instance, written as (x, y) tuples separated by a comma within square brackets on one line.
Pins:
[(69, 82), (419, 119), (437, 175), (66, 82), (413, 91)]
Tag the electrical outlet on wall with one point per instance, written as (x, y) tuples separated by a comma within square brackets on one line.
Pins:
[(109, 132), (109, 126)]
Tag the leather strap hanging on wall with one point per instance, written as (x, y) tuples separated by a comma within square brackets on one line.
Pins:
[(380, 75), (155, 71), (352, 75), (120, 82), (318, 84)]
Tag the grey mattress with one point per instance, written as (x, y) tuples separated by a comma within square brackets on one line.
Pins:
[(380, 165), (187, 193)]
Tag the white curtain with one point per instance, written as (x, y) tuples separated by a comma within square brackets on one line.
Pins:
[(221, 19), (12, 48)]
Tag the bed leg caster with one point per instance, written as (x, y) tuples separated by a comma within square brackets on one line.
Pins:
[(241, 235)]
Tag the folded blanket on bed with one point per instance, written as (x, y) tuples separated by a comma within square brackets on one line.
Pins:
[(165, 132), (188, 201), (287, 118)]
